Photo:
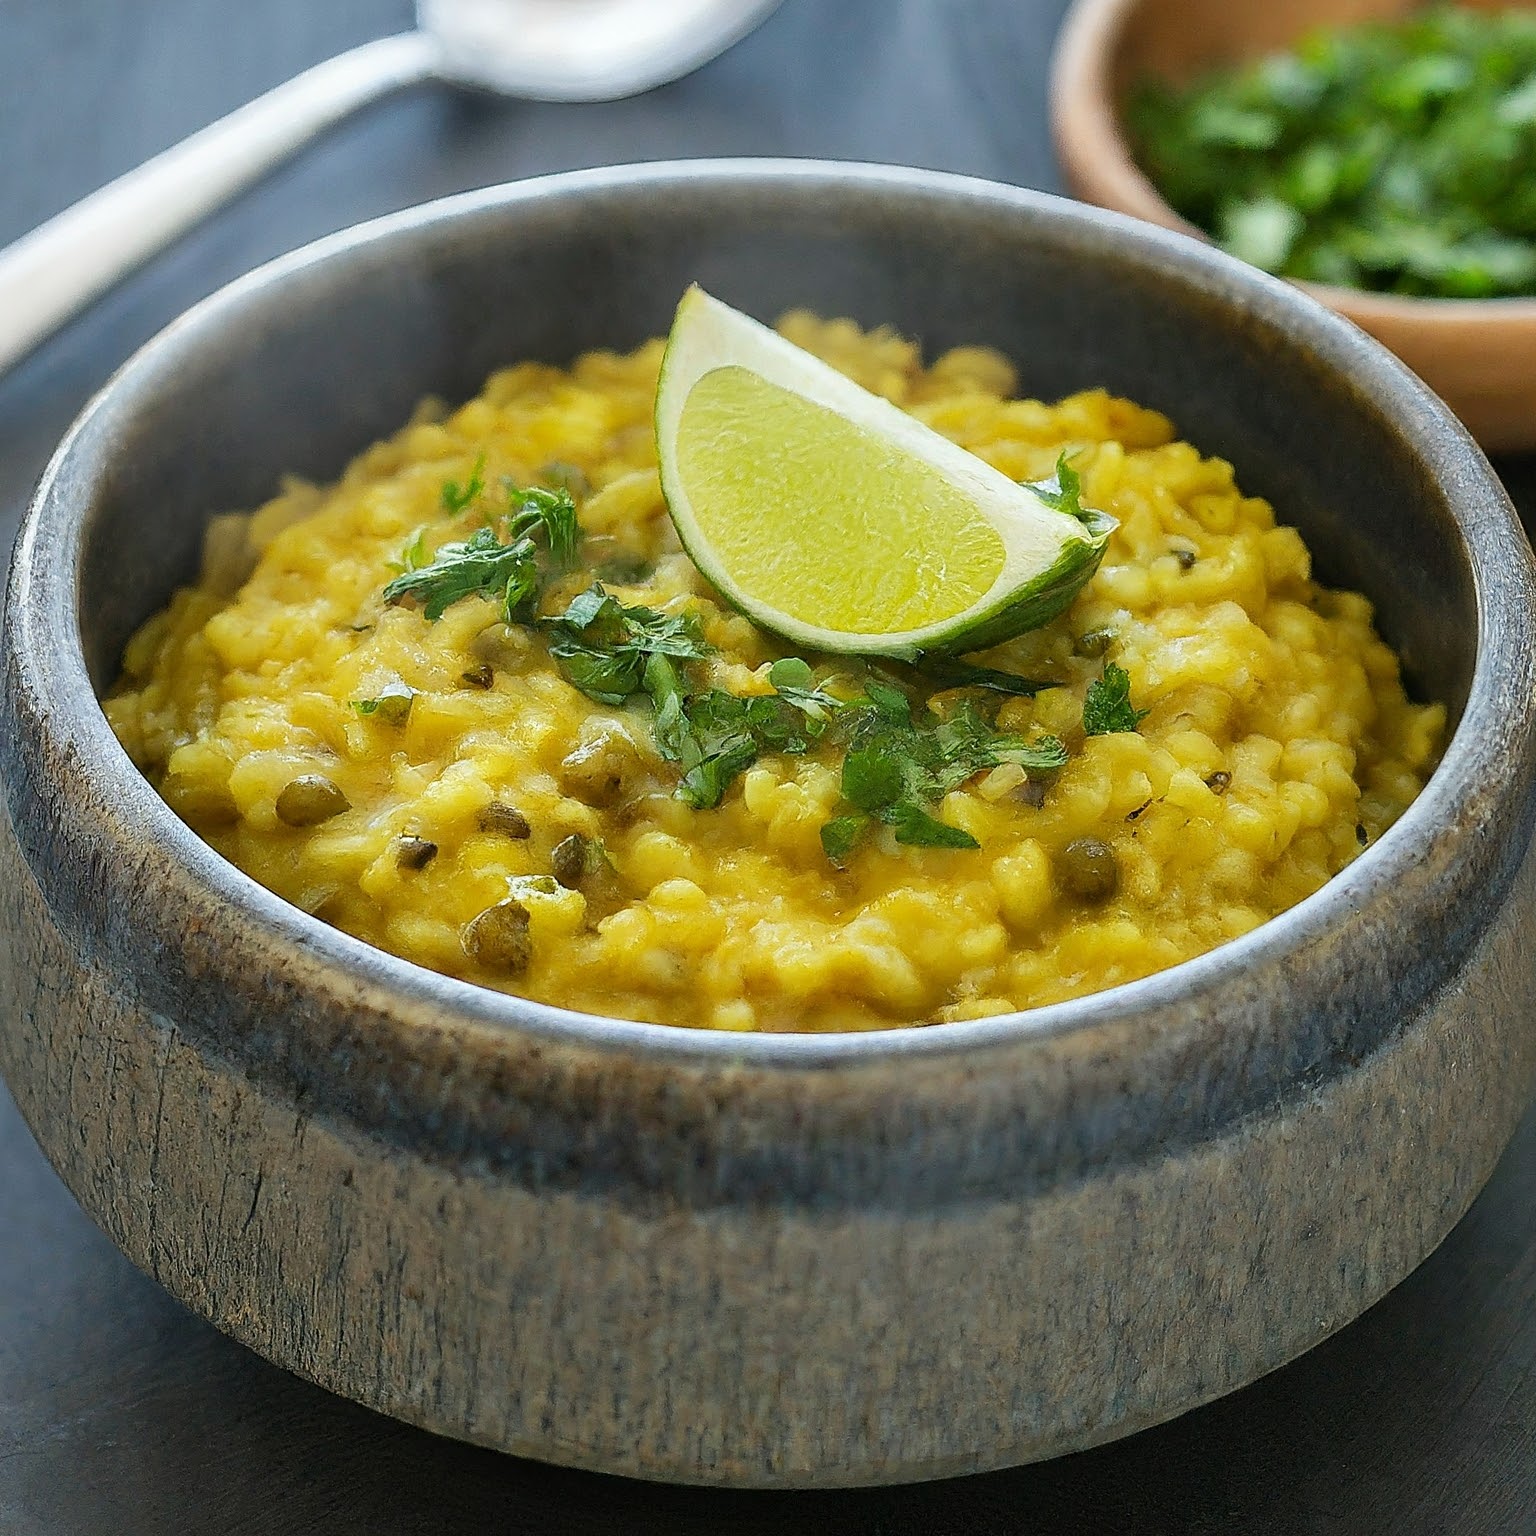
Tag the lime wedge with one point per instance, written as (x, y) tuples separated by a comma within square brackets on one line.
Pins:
[(833, 518)]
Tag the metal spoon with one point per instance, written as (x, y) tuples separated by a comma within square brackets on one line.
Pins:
[(543, 50)]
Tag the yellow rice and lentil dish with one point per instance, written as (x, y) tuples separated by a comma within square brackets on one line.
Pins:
[(439, 787)]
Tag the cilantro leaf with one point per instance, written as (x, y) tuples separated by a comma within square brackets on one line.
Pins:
[(670, 634), (718, 735), (1063, 492), (584, 610), (704, 785), (670, 701), (1394, 155), (795, 683), (480, 566), (895, 768), (458, 498), (1107, 708), (604, 647), (841, 835), (610, 676), (968, 745), (533, 508), (885, 776), (771, 720), (596, 619), (485, 565), (791, 672), (880, 773), (915, 826), (1047, 754), (889, 702), (714, 745)]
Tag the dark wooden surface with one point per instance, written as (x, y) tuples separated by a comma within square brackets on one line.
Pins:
[(121, 1413)]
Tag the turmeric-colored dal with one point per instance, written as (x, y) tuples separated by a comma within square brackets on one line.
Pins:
[(1278, 739)]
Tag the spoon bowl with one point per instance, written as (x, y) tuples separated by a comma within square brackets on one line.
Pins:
[(581, 50)]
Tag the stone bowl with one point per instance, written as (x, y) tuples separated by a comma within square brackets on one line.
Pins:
[(1480, 354), (770, 1260)]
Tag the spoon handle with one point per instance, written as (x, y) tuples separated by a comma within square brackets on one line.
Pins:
[(51, 273)]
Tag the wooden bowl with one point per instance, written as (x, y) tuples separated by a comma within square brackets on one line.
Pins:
[(764, 1259), (1478, 354)]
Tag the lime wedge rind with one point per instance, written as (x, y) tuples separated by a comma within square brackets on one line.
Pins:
[(1048, 555), (1042, 599)]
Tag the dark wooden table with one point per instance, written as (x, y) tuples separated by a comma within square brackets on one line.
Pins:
[(121, 1413)]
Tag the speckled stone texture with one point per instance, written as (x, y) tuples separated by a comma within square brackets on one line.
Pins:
[(772, 1260)]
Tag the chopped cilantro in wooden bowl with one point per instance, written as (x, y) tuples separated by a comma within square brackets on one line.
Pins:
[(1398, 156), (1380, 152)]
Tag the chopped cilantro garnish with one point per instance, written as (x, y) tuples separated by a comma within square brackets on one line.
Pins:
[(889, 702), (1107, 707), (603, 646), (703, 786), (555, 512), (885, 776), (662, 681), (967, 743), (794, 681), (897, 767), (457, 498), (717, 735), (1063, 492), (480, 566), (840, 836), (485, 565), (894, 768)]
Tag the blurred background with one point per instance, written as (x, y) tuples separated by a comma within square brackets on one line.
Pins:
[(119, 1411), (91, 88)]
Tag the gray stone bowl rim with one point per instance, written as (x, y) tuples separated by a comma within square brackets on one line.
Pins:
[(46, 636)]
